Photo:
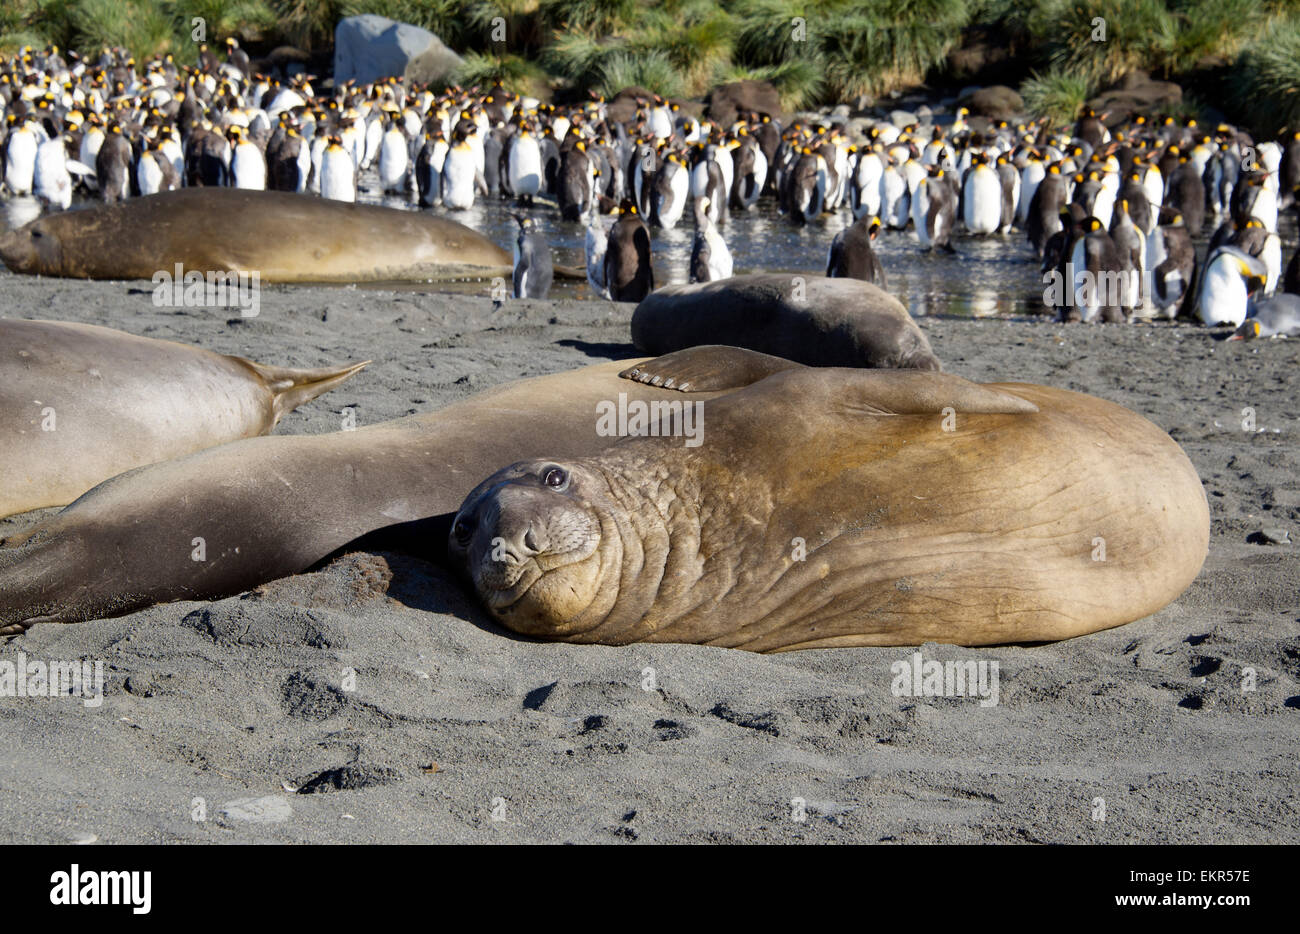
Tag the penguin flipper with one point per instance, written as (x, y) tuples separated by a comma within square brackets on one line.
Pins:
[(835, 257), (708, 368)]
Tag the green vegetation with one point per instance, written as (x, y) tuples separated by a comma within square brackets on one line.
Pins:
[(813, 51), (1057, 94)]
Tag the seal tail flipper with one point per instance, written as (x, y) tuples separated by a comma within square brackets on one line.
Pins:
[(291, 387), (708, 368)]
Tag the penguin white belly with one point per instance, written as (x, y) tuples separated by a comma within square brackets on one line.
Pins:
[(913, 174), (90, 144), (20, 162), (1265, 209), (1223, 295), (1086, 291), (1103, 207), (248, 167), (1031, 176), (720, 265), (868, 182), (338, 176), (304, 168), (51, 179), (596, 245), (458, 179), (393, 161), (1154, 186), (893, 198), (920, 209), (148, 174), (700, 179), (374, 137), (524, 167), (317, 153), (671, 211), (982, 201), (1272, 257), (1154, 252)]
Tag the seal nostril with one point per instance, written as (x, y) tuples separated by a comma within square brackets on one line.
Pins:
[(532, 541)]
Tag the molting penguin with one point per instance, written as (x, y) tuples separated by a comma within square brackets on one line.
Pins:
[(628, 274), (1131, 247), (533, 270), (1010, 179), (113, 164), (710, 258), (806, 187), (934, 210), (597, 242), (851, 256), (1043, 218), (1172, 277), (576, 182)]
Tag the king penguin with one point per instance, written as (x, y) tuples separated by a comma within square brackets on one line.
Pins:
[(533, 270), (628, 274), (851, 256), (710, 258), (934, 207), (981, 197)]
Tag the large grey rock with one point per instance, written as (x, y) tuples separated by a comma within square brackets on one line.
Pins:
[(370, 47)]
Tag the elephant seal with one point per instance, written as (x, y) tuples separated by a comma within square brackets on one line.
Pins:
[(80, 404), (263, 508), (282, 236), (810, 319), (328, 491), (832, 507)]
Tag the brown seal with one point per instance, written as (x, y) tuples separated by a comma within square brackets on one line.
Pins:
[(811, 319)]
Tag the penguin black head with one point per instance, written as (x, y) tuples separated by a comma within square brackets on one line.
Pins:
[(627, 206)]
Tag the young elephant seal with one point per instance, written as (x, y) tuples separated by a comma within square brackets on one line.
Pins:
[(80, 404), (816, 321), (833, 507)]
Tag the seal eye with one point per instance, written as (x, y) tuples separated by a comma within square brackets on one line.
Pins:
[(463, 530), (557, 478)]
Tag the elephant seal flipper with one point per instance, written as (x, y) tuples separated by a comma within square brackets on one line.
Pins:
[(709, 368), (291, 387)]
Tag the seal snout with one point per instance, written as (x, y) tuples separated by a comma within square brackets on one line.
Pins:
[(531, 548)]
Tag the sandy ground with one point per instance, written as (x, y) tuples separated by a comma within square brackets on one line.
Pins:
[(208, 704)]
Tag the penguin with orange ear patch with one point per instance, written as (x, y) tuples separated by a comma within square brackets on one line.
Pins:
[(628, 274), (851, 256)]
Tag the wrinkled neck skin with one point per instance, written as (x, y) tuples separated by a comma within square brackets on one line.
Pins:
[(654, 566)]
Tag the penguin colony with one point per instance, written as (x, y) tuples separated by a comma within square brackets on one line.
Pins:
[(1109, 211)]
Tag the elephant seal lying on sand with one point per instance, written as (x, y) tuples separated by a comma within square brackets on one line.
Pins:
[(282, 236), (80, 404), (816, 321), (835, 507), (1045, 472)]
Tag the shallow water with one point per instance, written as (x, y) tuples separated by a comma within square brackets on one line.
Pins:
[(994, 276)]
